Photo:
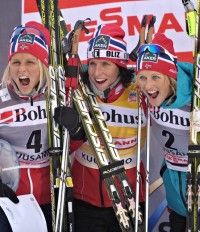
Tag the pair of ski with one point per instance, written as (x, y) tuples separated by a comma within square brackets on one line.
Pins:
[(193, 174), (60, 176), (145, 37)]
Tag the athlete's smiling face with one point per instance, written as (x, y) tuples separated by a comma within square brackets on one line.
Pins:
[(25, 72), (102, 73), (155, 86)]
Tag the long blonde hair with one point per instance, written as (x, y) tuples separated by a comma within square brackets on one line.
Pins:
[(173, 88), (44, 77)]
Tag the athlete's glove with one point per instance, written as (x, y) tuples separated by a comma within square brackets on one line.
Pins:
[(69, 118), (6, 191)]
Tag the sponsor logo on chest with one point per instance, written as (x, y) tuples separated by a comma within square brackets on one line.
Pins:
[(24, 115), (175, 118), (121, 116)]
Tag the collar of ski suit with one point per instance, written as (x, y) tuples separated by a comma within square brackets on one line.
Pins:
[(114, 93), (35, 96)]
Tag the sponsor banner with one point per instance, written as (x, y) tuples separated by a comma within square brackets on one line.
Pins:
[(170, 19)]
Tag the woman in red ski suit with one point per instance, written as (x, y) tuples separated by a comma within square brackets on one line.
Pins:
[(112, 83)]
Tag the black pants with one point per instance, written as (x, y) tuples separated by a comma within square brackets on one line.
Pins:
[(177, 222), (46, 209), (5, 225), (89, 218)]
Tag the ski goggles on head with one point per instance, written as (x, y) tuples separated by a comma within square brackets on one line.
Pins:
[(20, 30), (154, 48)]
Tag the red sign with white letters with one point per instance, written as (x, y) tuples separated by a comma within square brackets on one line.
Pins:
[(170, 19)]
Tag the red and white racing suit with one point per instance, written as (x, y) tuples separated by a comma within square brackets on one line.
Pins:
[(121, 115), (23, 123)]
